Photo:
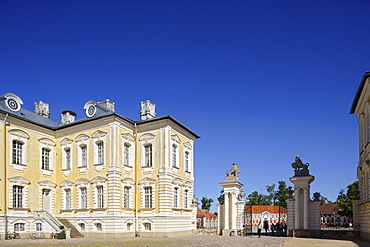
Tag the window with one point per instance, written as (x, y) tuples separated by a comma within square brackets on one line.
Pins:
[(147, 226), (67, 163), (83, 149), (38, 227), (83, 197), (186, 161), (186, 195), (45, 163), (100, 196), (67, 198), (82, 226), (176, 198), (129, 226), (100, 152), (148, 197), (174, 154), (17, 196), (17, 152), (148, 155), (99, 227), (126, 197), (19, 227), (126, 154)]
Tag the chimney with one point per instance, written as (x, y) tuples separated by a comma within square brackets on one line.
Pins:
[(42, 109), (147, 110), (107, 104), (68, 117)]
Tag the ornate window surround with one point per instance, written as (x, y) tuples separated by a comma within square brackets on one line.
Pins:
[(67, 185), (147, 182), (19, 181), (48, 144), (147, 139), (82, 183), (82, 141), (188, 148), (99, 182), (127, 140), (21, 136), (128, 182), (66, 143), (99, 138), (175, 148)]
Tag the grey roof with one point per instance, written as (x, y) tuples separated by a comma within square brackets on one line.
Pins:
[(100, 111)]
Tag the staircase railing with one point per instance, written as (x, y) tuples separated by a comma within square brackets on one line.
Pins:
[(44, 215)]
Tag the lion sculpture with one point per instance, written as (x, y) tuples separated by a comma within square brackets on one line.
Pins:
[(233, 171)]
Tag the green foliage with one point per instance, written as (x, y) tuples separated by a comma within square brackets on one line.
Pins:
[(256, 198), (206, 203), (61, 235), (324, 200), (344, 199)]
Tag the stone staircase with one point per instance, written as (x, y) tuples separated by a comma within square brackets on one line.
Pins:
[(74, 232)]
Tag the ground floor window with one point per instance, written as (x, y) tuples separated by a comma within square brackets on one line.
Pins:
[(19, 227), (147, 226), (38, 227)]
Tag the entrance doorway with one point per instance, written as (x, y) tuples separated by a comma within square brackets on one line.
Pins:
[(46, 200)]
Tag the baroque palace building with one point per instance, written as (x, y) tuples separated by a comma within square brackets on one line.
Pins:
[(361, 108), (102, 176)]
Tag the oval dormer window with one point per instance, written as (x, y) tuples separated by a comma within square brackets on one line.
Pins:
[(13, 102)]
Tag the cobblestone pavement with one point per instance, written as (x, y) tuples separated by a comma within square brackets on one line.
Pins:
[(190, 241)]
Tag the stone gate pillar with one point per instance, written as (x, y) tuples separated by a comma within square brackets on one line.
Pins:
[(229, 212), (303, 213)]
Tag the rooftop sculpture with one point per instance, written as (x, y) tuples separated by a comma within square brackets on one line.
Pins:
[(234, 171), (300, 169)]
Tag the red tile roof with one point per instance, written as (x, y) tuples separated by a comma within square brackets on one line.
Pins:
[(205, 213), (261, 209), (329, 207)]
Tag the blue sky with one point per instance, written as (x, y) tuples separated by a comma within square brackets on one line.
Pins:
[(259, 81)]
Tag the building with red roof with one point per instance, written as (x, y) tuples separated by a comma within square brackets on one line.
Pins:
[(206, 219)]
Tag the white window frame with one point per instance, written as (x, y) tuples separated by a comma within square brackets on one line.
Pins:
[(145, 140), (22, 137), (22, 182), (82, 142), (83, 197), (47, 144), (66, 145), (99, 138), (19, 227), (148, 197), (127, 141), (176, 195), (67, 198), (99, 153), (186, 198), (45, 159), (99, 196), (38, 227), (188, 161), (129, 183), (175, 150), (64, 186), (18, 195), (126, 196)]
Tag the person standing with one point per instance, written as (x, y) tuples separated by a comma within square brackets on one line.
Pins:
[(259, 229)]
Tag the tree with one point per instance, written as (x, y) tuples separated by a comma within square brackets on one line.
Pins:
[(324, 200), (206, 203), (344, 199), (256, 198)]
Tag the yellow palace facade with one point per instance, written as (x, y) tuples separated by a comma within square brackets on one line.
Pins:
[(102, 176)]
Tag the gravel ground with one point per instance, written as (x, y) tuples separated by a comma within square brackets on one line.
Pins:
[(190, 241)]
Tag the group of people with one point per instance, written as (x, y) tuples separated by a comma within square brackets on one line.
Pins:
[(279, 228)]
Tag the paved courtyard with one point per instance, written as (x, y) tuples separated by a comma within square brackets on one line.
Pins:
[(191, 241)]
